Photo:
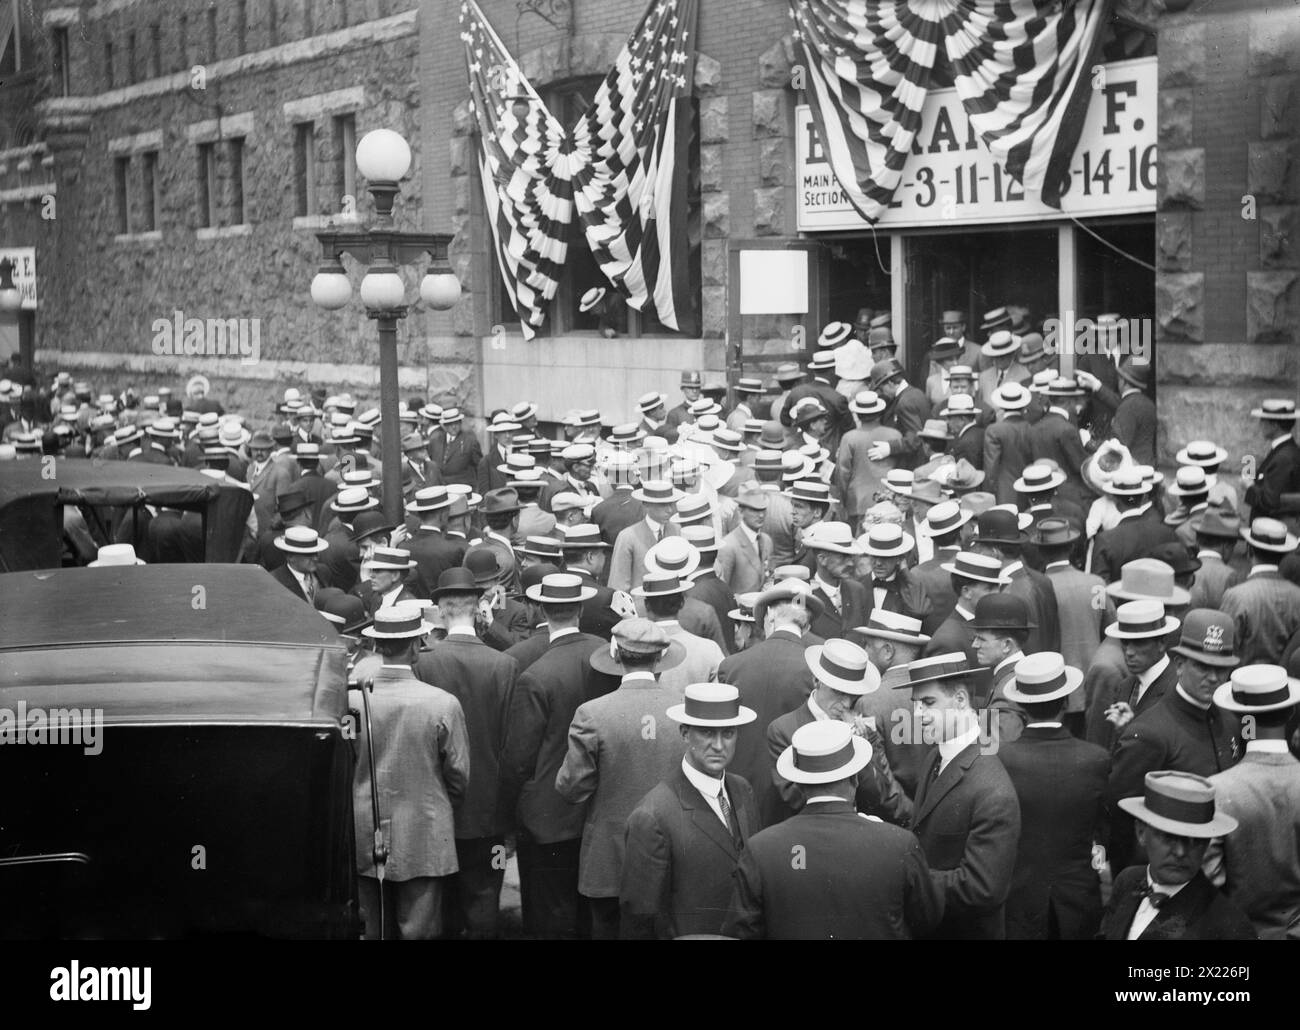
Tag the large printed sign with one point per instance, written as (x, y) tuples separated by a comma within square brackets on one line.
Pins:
[(952, 179), (24, 271)]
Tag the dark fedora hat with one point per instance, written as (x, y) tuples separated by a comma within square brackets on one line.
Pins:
[(1135, 373), (370, 523), (1176, 556), (997, 526), (1002, 611), (290, 502), (500, 501), (456, 580), (1053, 532)]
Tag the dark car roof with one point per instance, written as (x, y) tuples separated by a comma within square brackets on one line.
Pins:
[(173, 642)]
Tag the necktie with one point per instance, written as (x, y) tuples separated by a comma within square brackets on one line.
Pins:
[(729, 815), (659, 534), (1134, 694), (1002, 373), (1156, 899)]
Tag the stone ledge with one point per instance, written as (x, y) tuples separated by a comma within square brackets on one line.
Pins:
[(1225, 364), (221, 232)]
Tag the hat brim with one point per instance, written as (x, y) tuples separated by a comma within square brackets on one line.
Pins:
[(874, 410), (1223, 698), (1007, 405), (1115, 491), (952, 570), (813, 604), (585, 305), (392, 566), (669, 658), (904, 547), (538, 593), (1130, 378), (320, 547), (1020, 486), (1178, 597), (1219, 826), (1116, 632), (375, 634), (851, 549), (1274, 416), (639, 495), (920, 640), (97, 564), (1289, 545), (1070, 537), (924, 529), (1204, 658), (415, 507), (858, 688), (1073, 681), (991, 351), (682, 587), (678, 715), (861, 759)]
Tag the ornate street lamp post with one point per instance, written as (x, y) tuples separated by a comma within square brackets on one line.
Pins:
[(384, 158)]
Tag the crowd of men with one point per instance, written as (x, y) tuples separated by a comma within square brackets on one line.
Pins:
[(853, 658)]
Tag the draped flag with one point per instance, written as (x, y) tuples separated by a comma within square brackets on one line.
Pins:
[(1022, 69), (620, 172)]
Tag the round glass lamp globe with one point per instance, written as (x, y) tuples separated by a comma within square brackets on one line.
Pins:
[(383, 289), (10, 299), (330, 290), (383, 156), (440, 290)]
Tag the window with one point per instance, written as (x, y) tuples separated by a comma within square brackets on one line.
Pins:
[(235, 152), (122, 170), (149, 193), (108, 65), (155, 50), (304, 168), (207, 185), (241, 26), (62, 62), (345, 134), (130, 57), (212, 32), (182, 43)]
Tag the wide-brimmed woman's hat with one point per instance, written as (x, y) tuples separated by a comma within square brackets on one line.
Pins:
[(843, 665), (823, 752), (1141, 620), (1043, 676), (711, 705), (1179, 803), (1258, 688), (301, 540)]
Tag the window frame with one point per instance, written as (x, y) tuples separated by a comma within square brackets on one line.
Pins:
[(304, 169), (236, 153), (150, 191), (122, 192), (209, 209)]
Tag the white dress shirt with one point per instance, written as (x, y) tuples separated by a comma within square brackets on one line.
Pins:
[(950, 749), (832, 592), (1147, 912), (1145, 679), (711, 788)]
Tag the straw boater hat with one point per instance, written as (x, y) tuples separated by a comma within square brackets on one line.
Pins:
[(711, 705), (998, 318), (1001, 343), (821, 361), (401, 621), (960, 405), (1038, 478), (942, 519), (391, 559), (886, 540), (1181, 804), (591, 298), (1258, 688), (1188, 482), (832, 335), (584, 537), (1126, 483), (867, 402), (301, 540), (1010, 397), (116, 554), (1270, 535), (546, 547), (516, 463), (809, 491), (560, 588), (1275, 411), (977, 567), (744, 610), (639, 636), (661, 584), (823, 752), (1203, 453), (830, 536), (1042, 676), (354, 499), (936, 668), (895, 626), (899, 481), (656, 491), (1141, 620), (843, 665)]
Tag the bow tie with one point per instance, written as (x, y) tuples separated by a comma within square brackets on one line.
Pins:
[(1152, 895)]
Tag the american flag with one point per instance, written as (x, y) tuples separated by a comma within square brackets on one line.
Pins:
[(1022, 69), (621, 170)]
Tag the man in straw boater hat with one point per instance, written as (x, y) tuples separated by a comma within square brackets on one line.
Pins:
[(1208, 456), (482, 680), (616, 753), (1000, 364), (456, 453), (972, 577), (827, 873), (1184, 730), (1060, 782), (1265, 606), (423, 764), (843, 676), (963, 418), (1169, 898), (857, 477), (1142, 628), (658, 501), (944, 524), (1258, 866), (686, 834), (749, 390), (892, 642), (965, 812), (1008, 447), (663, 593), (546, 696), (431, 549), (586, 555), (845, 602), (302, 548)]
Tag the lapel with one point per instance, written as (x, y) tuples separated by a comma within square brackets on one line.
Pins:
[(1175, 916), (949, 778), (1125, 910), (702, 815)]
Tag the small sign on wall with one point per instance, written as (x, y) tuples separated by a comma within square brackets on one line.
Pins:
[(773, 282)]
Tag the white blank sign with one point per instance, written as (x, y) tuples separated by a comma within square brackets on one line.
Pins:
[(773, 282)]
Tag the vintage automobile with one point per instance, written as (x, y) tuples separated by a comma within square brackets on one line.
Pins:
[(215, 796), (115, 501)]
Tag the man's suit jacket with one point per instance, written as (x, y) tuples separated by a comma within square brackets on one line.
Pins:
[(854, 606), (1134, 425), (510, 625), (1265, 608), (319, 490), (1260, 860), (835, 403), (904, 594), (773, 678), (489, 475), (1007, 450), (598, 617), (679, 859), (707, 589), (703, 657), (988, 381), (969, 445), (954, 634), (967, 819), (372, 600), (534, 522), (700, 619), (342, 562), (857, 477), (908, 413), (1082, 619), (507, 563), (1011, 718), (1037, 592), (1060, 782), (1213, 579), (857, 879), (936, 584), (290, 582), (627, 563), (610, 764), (531, 648), (1277, 474), (1055, 436), (615, 513), (483, 681), (1198, 912), (458, 459), (546, 696), (742, 567), (1134, 537), (273, 479), (433, 554), (1107, 681)]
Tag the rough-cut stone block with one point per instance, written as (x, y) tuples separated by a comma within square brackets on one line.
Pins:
[(769, 211), (708, 75), (1182, 54), (1271, 172), (1182, 177), (546, 63), (773, 162), (712, 163), (1277, 237), (1274, 41), (770, 114), (775, 62), (714, 299), (1272, 307), (1180, 312), (1174, 240), (1279, 107), (1176, 117), (462, 192), (713, 120), (1218, 413), (462, 121), (713, 262), (1224, 364), (717, 215), (460, 150)]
